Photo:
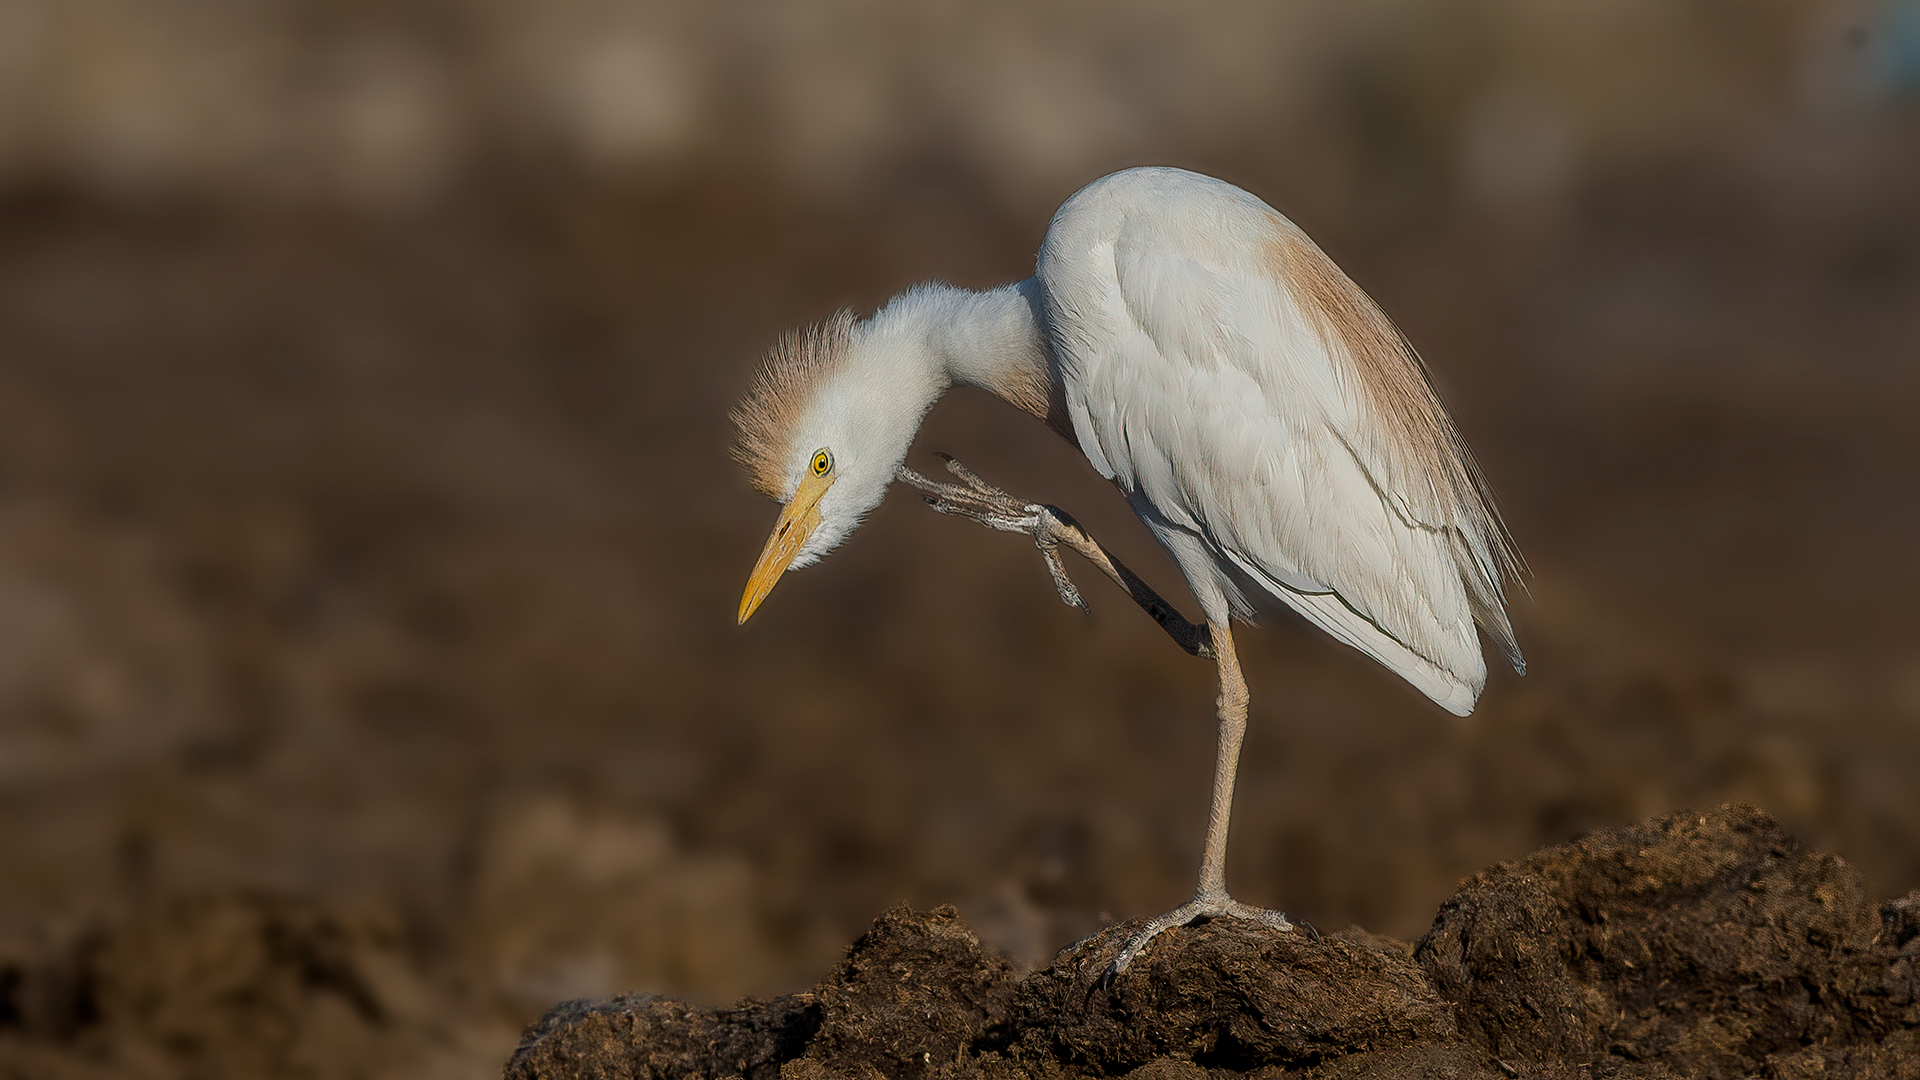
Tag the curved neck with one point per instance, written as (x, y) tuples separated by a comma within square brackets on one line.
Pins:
[(994, 340)]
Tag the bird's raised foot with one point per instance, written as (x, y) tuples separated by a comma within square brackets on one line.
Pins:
[(980, 501), (1199, 909), (1051, 529), (974, 498)]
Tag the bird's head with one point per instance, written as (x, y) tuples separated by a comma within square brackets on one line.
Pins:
[(822, 431)]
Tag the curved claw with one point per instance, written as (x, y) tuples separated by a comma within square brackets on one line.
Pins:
[(1050, 551), (970, 478)]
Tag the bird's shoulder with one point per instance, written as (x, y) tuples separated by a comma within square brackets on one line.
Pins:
[(1154, 275)]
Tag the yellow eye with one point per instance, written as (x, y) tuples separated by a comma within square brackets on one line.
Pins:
[(822, 462)]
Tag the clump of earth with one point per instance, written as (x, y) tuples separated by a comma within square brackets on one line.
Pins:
[(1695, 945)]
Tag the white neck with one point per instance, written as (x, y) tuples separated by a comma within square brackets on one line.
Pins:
[(933, 336)]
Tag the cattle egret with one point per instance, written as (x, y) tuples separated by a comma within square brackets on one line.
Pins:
[(1260, 413)]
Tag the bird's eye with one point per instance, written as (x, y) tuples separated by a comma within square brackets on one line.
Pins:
[(822, 462)]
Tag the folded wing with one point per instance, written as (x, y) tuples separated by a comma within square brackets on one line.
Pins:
[(1257, 397)]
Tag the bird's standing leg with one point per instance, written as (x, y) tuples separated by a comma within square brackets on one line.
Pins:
[(1233, 730), (1050, 527), (1210, 900)]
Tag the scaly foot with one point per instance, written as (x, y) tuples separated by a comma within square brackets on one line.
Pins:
[(980, 501), (1051, 529), (1199, 909)]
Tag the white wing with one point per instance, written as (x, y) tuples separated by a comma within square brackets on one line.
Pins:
[(1214, 370)]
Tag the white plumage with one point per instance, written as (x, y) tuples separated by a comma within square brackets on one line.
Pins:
[(1196, 380), (1260, 413)]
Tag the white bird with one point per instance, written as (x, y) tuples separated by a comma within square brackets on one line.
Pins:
[(1262, 415)]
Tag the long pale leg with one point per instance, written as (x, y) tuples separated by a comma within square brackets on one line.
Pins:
[(1210, 900), (1051, 528)]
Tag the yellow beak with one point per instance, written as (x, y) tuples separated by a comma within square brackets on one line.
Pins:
[(797, 521)]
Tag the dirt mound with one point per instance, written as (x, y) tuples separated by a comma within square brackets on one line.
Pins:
[(1707, 943), (1703, 945)]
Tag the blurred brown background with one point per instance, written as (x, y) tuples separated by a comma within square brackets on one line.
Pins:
[(369, 548)]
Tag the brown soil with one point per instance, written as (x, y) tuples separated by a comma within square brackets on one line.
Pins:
[(1699, 945)]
